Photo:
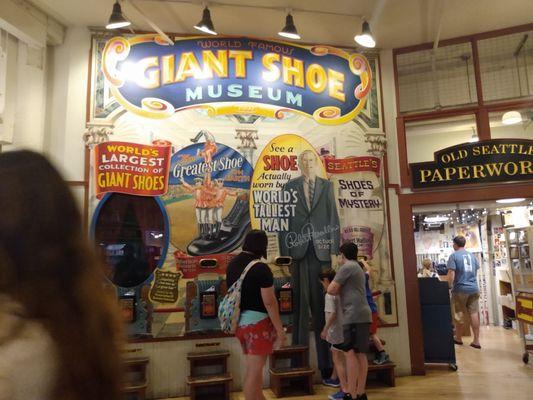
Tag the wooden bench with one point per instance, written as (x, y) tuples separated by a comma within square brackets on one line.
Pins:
[(384, 372), (214, 381), (296, 377), (135, 383)]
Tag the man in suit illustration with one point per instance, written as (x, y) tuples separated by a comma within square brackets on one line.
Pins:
[(313, 238)]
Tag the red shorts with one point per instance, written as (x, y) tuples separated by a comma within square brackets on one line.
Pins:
[(257, 338), (374, 324)]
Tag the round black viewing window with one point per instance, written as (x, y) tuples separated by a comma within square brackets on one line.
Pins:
[(130, 234)]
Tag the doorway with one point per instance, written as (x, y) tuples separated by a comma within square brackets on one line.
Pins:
[(487, 226), (411, 204)]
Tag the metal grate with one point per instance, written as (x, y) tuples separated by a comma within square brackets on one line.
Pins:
[(506, 64), (431, 80)]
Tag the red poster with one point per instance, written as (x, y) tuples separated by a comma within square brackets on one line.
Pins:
[(352, 164), (132, 168)]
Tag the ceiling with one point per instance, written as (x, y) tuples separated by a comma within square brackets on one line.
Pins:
[(395, 23), (447, 207)]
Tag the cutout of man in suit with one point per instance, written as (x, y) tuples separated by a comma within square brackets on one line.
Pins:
[(312, 240)]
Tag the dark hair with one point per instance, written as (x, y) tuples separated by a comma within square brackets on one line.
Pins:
[(460, 241), (349, 250), (47, 266), (256, 242), (328, 274)]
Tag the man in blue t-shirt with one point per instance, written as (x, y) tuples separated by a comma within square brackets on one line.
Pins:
[(462, 270)]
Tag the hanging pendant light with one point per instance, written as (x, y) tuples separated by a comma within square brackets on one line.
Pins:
[(117, 20), (206, 24), (289, 31), (511, 118), (365, 38)]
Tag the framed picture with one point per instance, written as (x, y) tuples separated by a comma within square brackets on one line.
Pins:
[(524, 251), (208, 305), (127, 307), (513, 250)]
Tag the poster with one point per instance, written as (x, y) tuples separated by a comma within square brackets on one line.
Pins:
[(208, 193), (131, 168), (471, 234), (242, 116)]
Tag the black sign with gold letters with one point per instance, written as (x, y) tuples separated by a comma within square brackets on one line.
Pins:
[(490, 161)]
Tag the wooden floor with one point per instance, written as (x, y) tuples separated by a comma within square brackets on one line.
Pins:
[(495, 372)]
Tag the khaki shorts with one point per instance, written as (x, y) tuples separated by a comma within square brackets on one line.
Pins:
[(464, 302)]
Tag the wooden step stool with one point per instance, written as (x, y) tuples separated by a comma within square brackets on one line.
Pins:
[(384, 372), (136, 382), (298, 376), (214, 382)]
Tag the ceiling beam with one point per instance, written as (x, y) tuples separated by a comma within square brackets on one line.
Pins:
[(217, 3)]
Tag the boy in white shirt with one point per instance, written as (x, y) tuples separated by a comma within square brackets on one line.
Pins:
[(333, 334)]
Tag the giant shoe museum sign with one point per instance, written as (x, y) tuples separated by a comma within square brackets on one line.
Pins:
[(491, 161), (235, 75)]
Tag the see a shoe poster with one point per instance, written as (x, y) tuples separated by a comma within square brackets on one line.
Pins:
[(260, 134)]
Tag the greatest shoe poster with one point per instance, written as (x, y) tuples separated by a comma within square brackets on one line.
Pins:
[(305, 172)]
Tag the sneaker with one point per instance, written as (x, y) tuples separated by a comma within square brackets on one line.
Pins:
[(381, 358), (337, 396), (347, 396), (362, 397), (331, 382)]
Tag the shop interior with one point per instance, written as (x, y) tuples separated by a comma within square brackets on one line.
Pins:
[(499, 233)]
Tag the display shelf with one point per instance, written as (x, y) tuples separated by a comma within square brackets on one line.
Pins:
[(507, 301), (519, 241)]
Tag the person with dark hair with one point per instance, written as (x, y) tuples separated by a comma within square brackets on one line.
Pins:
[(260, 328), (58, 328), (462, 271), (349, 282), (333, 334)]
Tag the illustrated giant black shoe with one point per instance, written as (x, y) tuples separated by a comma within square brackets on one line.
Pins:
[(228, 236)]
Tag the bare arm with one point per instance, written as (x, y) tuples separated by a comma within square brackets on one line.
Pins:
[(450, 277), (330, 321), (271, 304), (334, 288), (186, 186)]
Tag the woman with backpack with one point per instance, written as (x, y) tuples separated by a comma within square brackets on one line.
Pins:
[(259, 329)]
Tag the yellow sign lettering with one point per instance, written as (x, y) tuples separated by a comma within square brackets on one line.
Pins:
[(336, 80), (240, 57), (316, 78), (188, 67), (293, 71), (215, 64), (424, 175), (272, 72)]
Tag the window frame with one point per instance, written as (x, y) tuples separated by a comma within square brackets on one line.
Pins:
[(480, 110)]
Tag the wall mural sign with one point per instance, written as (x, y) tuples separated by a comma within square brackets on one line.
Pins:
[(152, 79), (274, 204), (208, 194), (132, 168), (253, 123), (359, 199), (491, 161)]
